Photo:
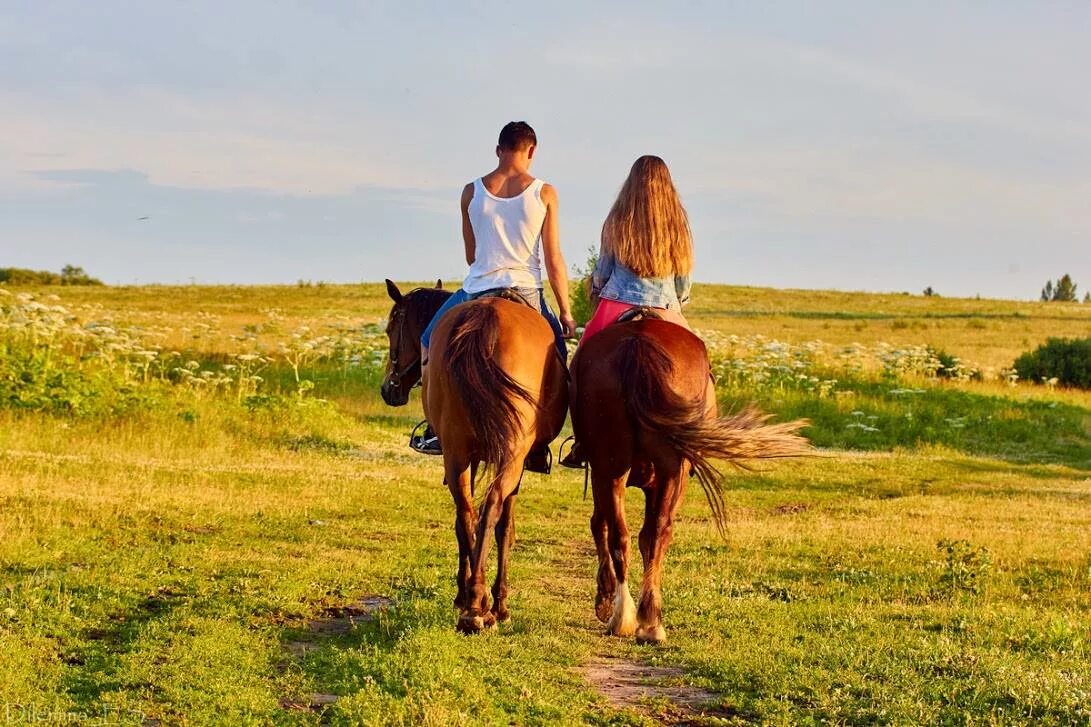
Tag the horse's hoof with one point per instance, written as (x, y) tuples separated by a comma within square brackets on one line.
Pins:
[(471, 624), (623, 618), (502, 616), (623, 627), (651, 635)]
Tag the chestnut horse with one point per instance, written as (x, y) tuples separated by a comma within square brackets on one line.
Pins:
[(641, 411), (493, 388)]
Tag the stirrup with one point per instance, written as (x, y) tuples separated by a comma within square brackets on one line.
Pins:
[(570, 460), (542, 465), (422, 444)]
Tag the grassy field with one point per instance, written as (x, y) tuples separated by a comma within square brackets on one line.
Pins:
[(177, 552)]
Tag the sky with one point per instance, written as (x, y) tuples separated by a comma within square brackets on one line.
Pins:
[(849, 145)]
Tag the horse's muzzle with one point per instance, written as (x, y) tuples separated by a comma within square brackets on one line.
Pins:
[(394, 395)]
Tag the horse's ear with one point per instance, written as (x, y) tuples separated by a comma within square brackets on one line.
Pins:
[(439, 284), (393, 292)]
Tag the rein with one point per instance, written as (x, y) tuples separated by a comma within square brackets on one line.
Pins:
[(396, 375), (394, 380)]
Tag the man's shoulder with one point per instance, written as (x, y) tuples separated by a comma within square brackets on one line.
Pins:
[(548, 192)]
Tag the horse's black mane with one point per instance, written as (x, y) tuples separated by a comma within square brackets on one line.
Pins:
[(429, 295)]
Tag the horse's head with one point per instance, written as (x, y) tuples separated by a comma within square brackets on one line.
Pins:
[(408, 318)]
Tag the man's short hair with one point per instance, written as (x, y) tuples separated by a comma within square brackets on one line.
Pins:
[(516, 136)]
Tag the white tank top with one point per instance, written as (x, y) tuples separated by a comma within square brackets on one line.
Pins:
[(507, 233)]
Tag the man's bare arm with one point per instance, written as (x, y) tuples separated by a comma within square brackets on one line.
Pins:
[(554, 260), (467, 229)]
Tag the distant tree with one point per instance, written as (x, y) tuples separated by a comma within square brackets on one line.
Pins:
[(1065, 290), (1061, 291), (928, 292), (1087, 297)]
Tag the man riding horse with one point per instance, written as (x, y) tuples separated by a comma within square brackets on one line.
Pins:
[(506, 216), (492, 364)]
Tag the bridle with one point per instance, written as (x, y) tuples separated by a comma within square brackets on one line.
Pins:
[(394, 379)]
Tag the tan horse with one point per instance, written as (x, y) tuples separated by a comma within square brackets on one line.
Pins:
[(641, 411), (494, 387)]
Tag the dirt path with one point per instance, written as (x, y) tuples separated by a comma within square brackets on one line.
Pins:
[(336, 621), (652, 691)]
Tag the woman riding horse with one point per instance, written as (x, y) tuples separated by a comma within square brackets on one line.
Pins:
[(643, 404)]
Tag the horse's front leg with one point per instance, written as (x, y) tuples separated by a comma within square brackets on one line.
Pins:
[(505, 538), (661, 503), (459, 481)]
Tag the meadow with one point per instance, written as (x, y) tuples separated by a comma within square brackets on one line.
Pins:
[(210, 517)]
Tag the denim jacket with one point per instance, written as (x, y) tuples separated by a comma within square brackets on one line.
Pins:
[(612, 280)]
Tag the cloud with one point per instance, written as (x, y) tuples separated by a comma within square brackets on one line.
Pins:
[(231, 235), (198, 143), (799, 133)]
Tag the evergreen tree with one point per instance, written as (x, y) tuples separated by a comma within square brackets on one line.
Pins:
[(1061, 291), (1065, 290)]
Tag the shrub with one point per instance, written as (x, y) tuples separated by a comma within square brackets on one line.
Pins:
[(948, 364), (1058, 360), (580, 288)]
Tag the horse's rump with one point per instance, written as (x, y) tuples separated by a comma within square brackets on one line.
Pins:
[(641, 387), (493, 367)]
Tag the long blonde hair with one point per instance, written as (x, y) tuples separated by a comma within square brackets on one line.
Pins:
[(647, 229)]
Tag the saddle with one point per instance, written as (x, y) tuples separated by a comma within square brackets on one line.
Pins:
[(641, 313), (506, 293)]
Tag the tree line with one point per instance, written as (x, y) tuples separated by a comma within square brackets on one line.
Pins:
[(69, 275)]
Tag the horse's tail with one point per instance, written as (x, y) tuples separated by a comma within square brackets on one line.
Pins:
[(644, 368), (487, 391)]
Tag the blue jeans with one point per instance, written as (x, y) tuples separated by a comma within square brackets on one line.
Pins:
[(533, 297)]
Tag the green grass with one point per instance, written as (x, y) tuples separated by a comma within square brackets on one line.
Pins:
[(158, 565), (877, 414)]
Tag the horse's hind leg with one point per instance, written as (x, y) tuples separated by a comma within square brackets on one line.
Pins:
[(505, 538), (607, 583), (459, 481), (661, 503), (610, 495), (476, 614)]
